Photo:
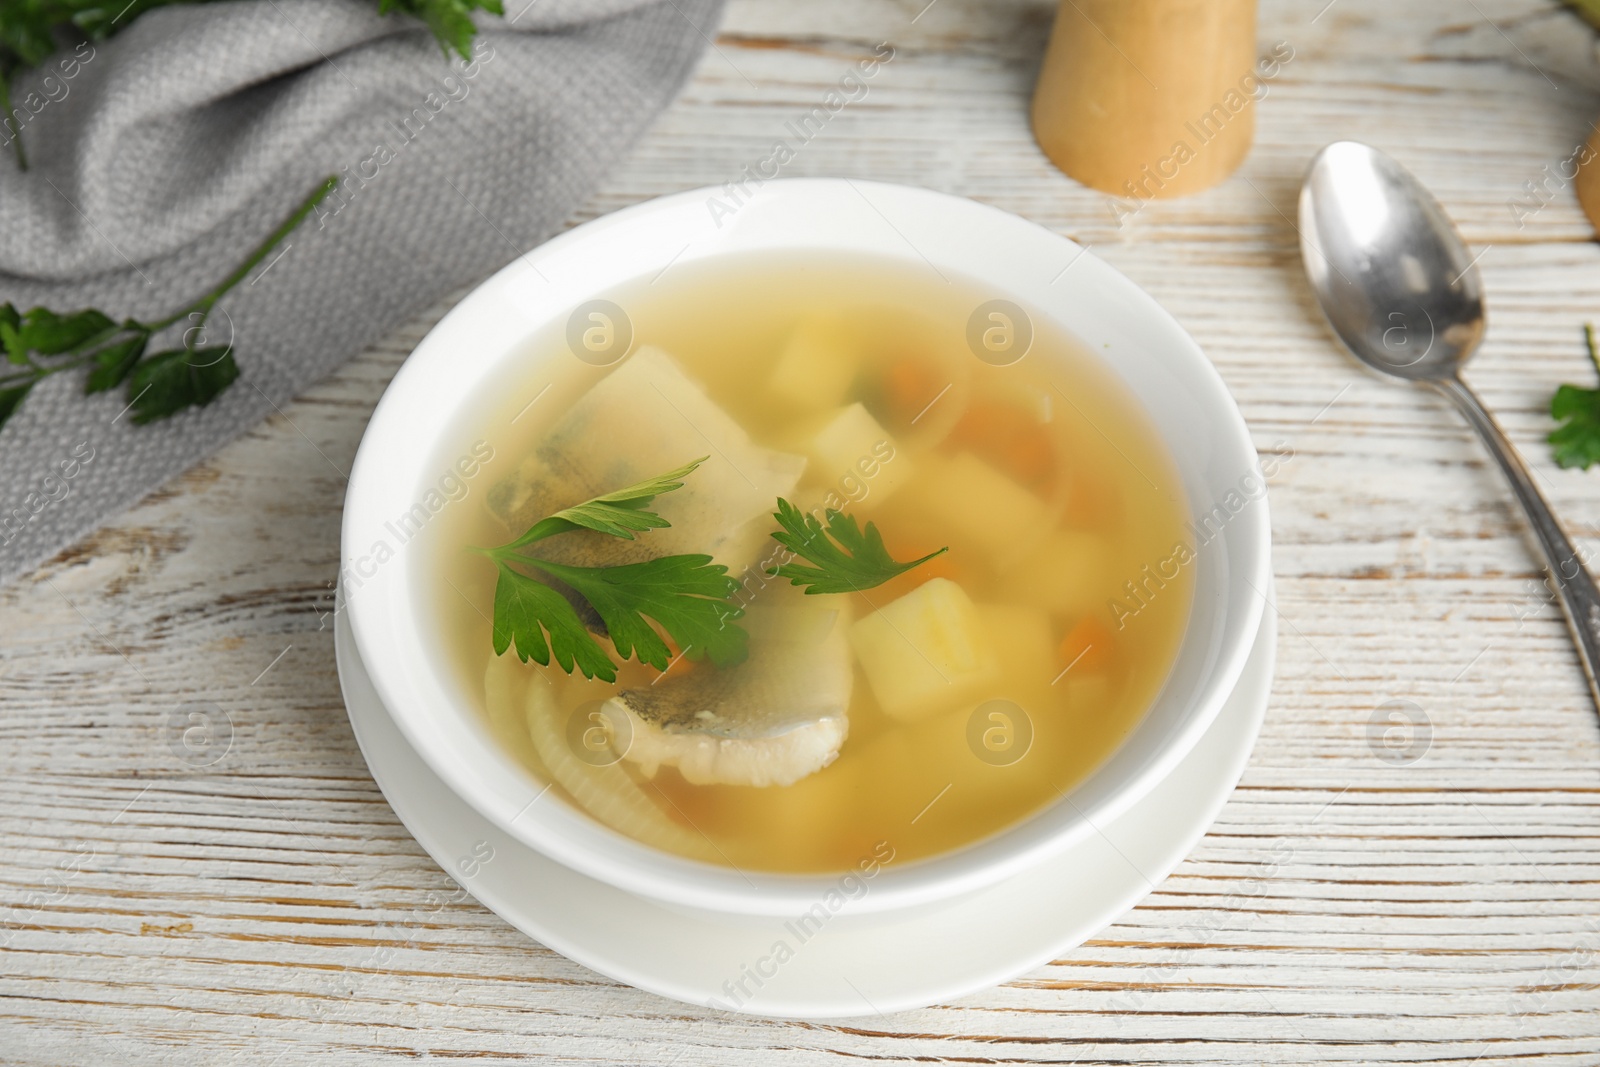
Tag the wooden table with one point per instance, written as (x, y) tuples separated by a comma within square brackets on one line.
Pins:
[(1346, 908)]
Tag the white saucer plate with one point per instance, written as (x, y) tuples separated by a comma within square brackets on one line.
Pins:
[(847, 964)]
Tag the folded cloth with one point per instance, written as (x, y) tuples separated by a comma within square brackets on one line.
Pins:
[(160, 158)]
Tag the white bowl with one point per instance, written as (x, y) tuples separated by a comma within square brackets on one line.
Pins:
[(1112, 318)]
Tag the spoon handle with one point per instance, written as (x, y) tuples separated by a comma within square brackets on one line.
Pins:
[(1580, 600)]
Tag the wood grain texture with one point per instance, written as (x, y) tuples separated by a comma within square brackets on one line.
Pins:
[(269, 908)]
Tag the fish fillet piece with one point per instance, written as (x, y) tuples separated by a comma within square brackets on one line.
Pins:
[(772, 720), (646, 417)]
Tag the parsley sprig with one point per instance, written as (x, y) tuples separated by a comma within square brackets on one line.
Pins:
[(39, 342), (1576, 442), (620, 514), (843, 558), (685, 595)]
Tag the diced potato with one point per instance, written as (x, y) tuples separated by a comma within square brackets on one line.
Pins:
[(852, 452), (983, 512), (1069, 572), (925, 652), (815, 368)]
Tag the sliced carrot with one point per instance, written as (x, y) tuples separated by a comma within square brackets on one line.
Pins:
[(1011, 438), (1088, 645), (1091, 501), (677, 663), (908, 386)]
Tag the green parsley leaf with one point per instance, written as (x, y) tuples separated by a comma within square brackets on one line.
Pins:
[(49, 334), (26, 32), (167, 382), (620, 514), (99, 20), (1576, 442), (113, 363), (853, 561), (525, 609), (686, 594)]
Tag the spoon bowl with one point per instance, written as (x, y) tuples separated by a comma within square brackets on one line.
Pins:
[(1389, 269)]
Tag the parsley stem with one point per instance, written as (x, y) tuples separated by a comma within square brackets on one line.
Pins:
[(91, 346), (1588, 342), (558, 571), (83, 353), (504, 555), (88, 349), (205, 303)]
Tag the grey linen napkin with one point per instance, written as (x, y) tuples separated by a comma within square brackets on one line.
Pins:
[(173, 149)]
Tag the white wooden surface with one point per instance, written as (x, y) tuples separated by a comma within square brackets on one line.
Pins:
[(270, 909)]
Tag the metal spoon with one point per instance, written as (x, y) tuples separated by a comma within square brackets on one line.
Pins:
[(1399, 289)]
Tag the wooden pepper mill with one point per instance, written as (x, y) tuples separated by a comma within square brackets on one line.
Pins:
[(1151, 98)]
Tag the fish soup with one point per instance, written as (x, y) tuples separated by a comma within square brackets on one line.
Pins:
[(888, 564)]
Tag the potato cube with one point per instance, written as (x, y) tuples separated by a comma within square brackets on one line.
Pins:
[(815, 368), (1069, 572), (982, 512), (925, 652), (852, 453)]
